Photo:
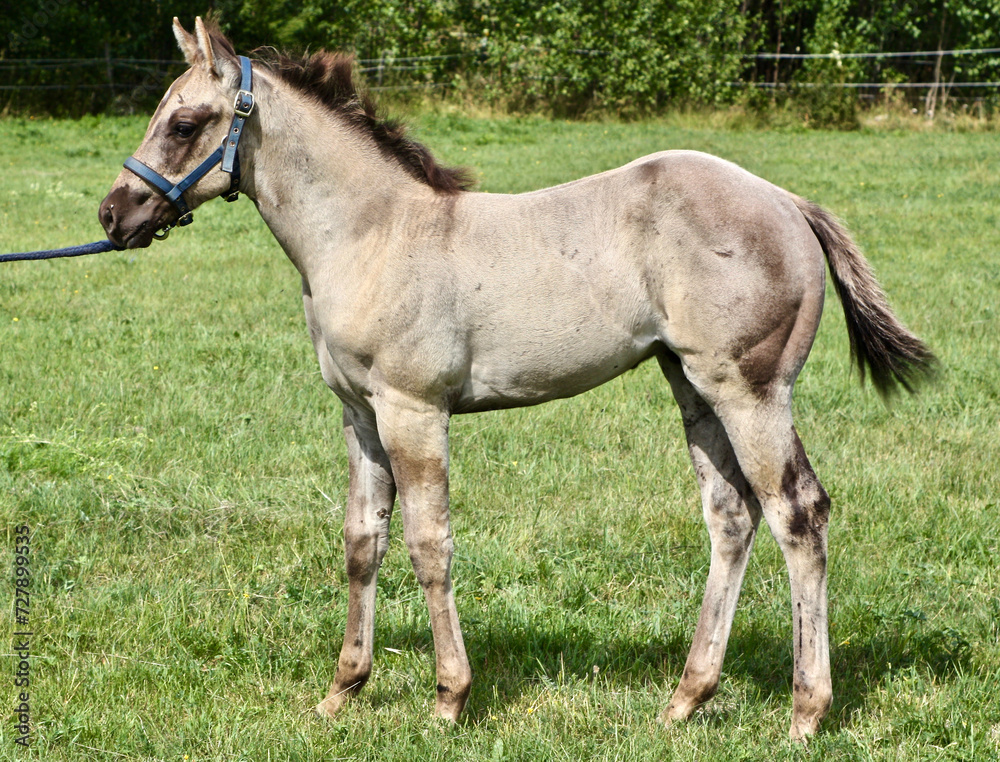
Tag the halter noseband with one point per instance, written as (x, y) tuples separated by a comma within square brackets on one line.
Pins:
[(226, 153)]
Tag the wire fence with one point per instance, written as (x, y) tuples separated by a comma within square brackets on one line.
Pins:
[(933, 92), (46, 68), (973, 90), (835, 55), (130, 81)]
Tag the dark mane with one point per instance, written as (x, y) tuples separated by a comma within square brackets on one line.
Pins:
[(329, 77), (218, 37)]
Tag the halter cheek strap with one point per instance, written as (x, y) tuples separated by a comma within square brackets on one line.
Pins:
[(227, 154)]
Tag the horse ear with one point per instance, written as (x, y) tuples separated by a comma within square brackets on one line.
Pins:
[(219, 61), (204, 42), (187, 43)]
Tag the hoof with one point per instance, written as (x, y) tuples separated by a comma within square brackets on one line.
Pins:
[(802, 729), (807, 715), (329, 707), (447, 713), (450, 702), (674, 714), (683, 704)]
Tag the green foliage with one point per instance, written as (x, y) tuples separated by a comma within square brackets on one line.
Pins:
[(51, 30), (826, 106), (625, 57)]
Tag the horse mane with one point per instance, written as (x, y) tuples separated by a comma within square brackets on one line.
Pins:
[(329, 78)]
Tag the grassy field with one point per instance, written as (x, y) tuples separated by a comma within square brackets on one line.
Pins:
[(166, 435)]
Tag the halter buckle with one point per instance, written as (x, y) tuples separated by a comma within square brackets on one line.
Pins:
[(244, 103)]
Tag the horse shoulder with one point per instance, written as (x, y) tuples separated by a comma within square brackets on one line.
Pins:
[(388, 320)]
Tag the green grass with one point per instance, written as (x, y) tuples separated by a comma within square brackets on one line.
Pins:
[(165, 433)]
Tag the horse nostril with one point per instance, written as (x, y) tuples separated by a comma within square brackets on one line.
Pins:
[(107, 215)]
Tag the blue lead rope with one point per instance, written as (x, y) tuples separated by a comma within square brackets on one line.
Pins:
[(97, 247)]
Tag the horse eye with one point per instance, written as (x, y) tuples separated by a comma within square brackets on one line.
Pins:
[(184, 129)]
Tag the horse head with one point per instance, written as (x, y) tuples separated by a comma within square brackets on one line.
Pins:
[(193, 119)]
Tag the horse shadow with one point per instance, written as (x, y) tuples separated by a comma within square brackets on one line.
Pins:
[(508, 657)]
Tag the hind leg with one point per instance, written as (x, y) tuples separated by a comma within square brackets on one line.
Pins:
[(796, 508), (732, 514)]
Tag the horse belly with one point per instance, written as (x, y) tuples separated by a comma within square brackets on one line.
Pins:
[(541, 362)]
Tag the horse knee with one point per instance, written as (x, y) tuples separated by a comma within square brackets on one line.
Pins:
[(430, 553), (810, 518), (363, 552)]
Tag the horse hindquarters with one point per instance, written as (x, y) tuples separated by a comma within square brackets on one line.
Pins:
[(735, 393)]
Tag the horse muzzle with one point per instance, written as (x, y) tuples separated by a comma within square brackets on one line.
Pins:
[(131, 216)]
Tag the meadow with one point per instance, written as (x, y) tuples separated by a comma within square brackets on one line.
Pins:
[(166, 435)]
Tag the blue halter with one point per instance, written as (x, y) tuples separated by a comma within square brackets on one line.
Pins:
[(226, 153)]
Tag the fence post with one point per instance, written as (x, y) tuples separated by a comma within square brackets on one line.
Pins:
[(931, 102), (109, 69)]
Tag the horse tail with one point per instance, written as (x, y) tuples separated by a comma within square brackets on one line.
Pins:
[(880, 343)]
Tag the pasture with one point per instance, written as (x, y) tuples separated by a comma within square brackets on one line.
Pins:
[(165, 433)]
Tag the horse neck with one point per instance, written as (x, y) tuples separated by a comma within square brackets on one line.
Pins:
[(315, 180)]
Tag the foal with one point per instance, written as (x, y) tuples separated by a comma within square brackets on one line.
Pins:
[(424, 299)]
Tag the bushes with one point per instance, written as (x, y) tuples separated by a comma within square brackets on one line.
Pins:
[(570, 57), (620, 55)]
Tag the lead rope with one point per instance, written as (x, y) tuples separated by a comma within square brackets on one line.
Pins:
[(98, 247)]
